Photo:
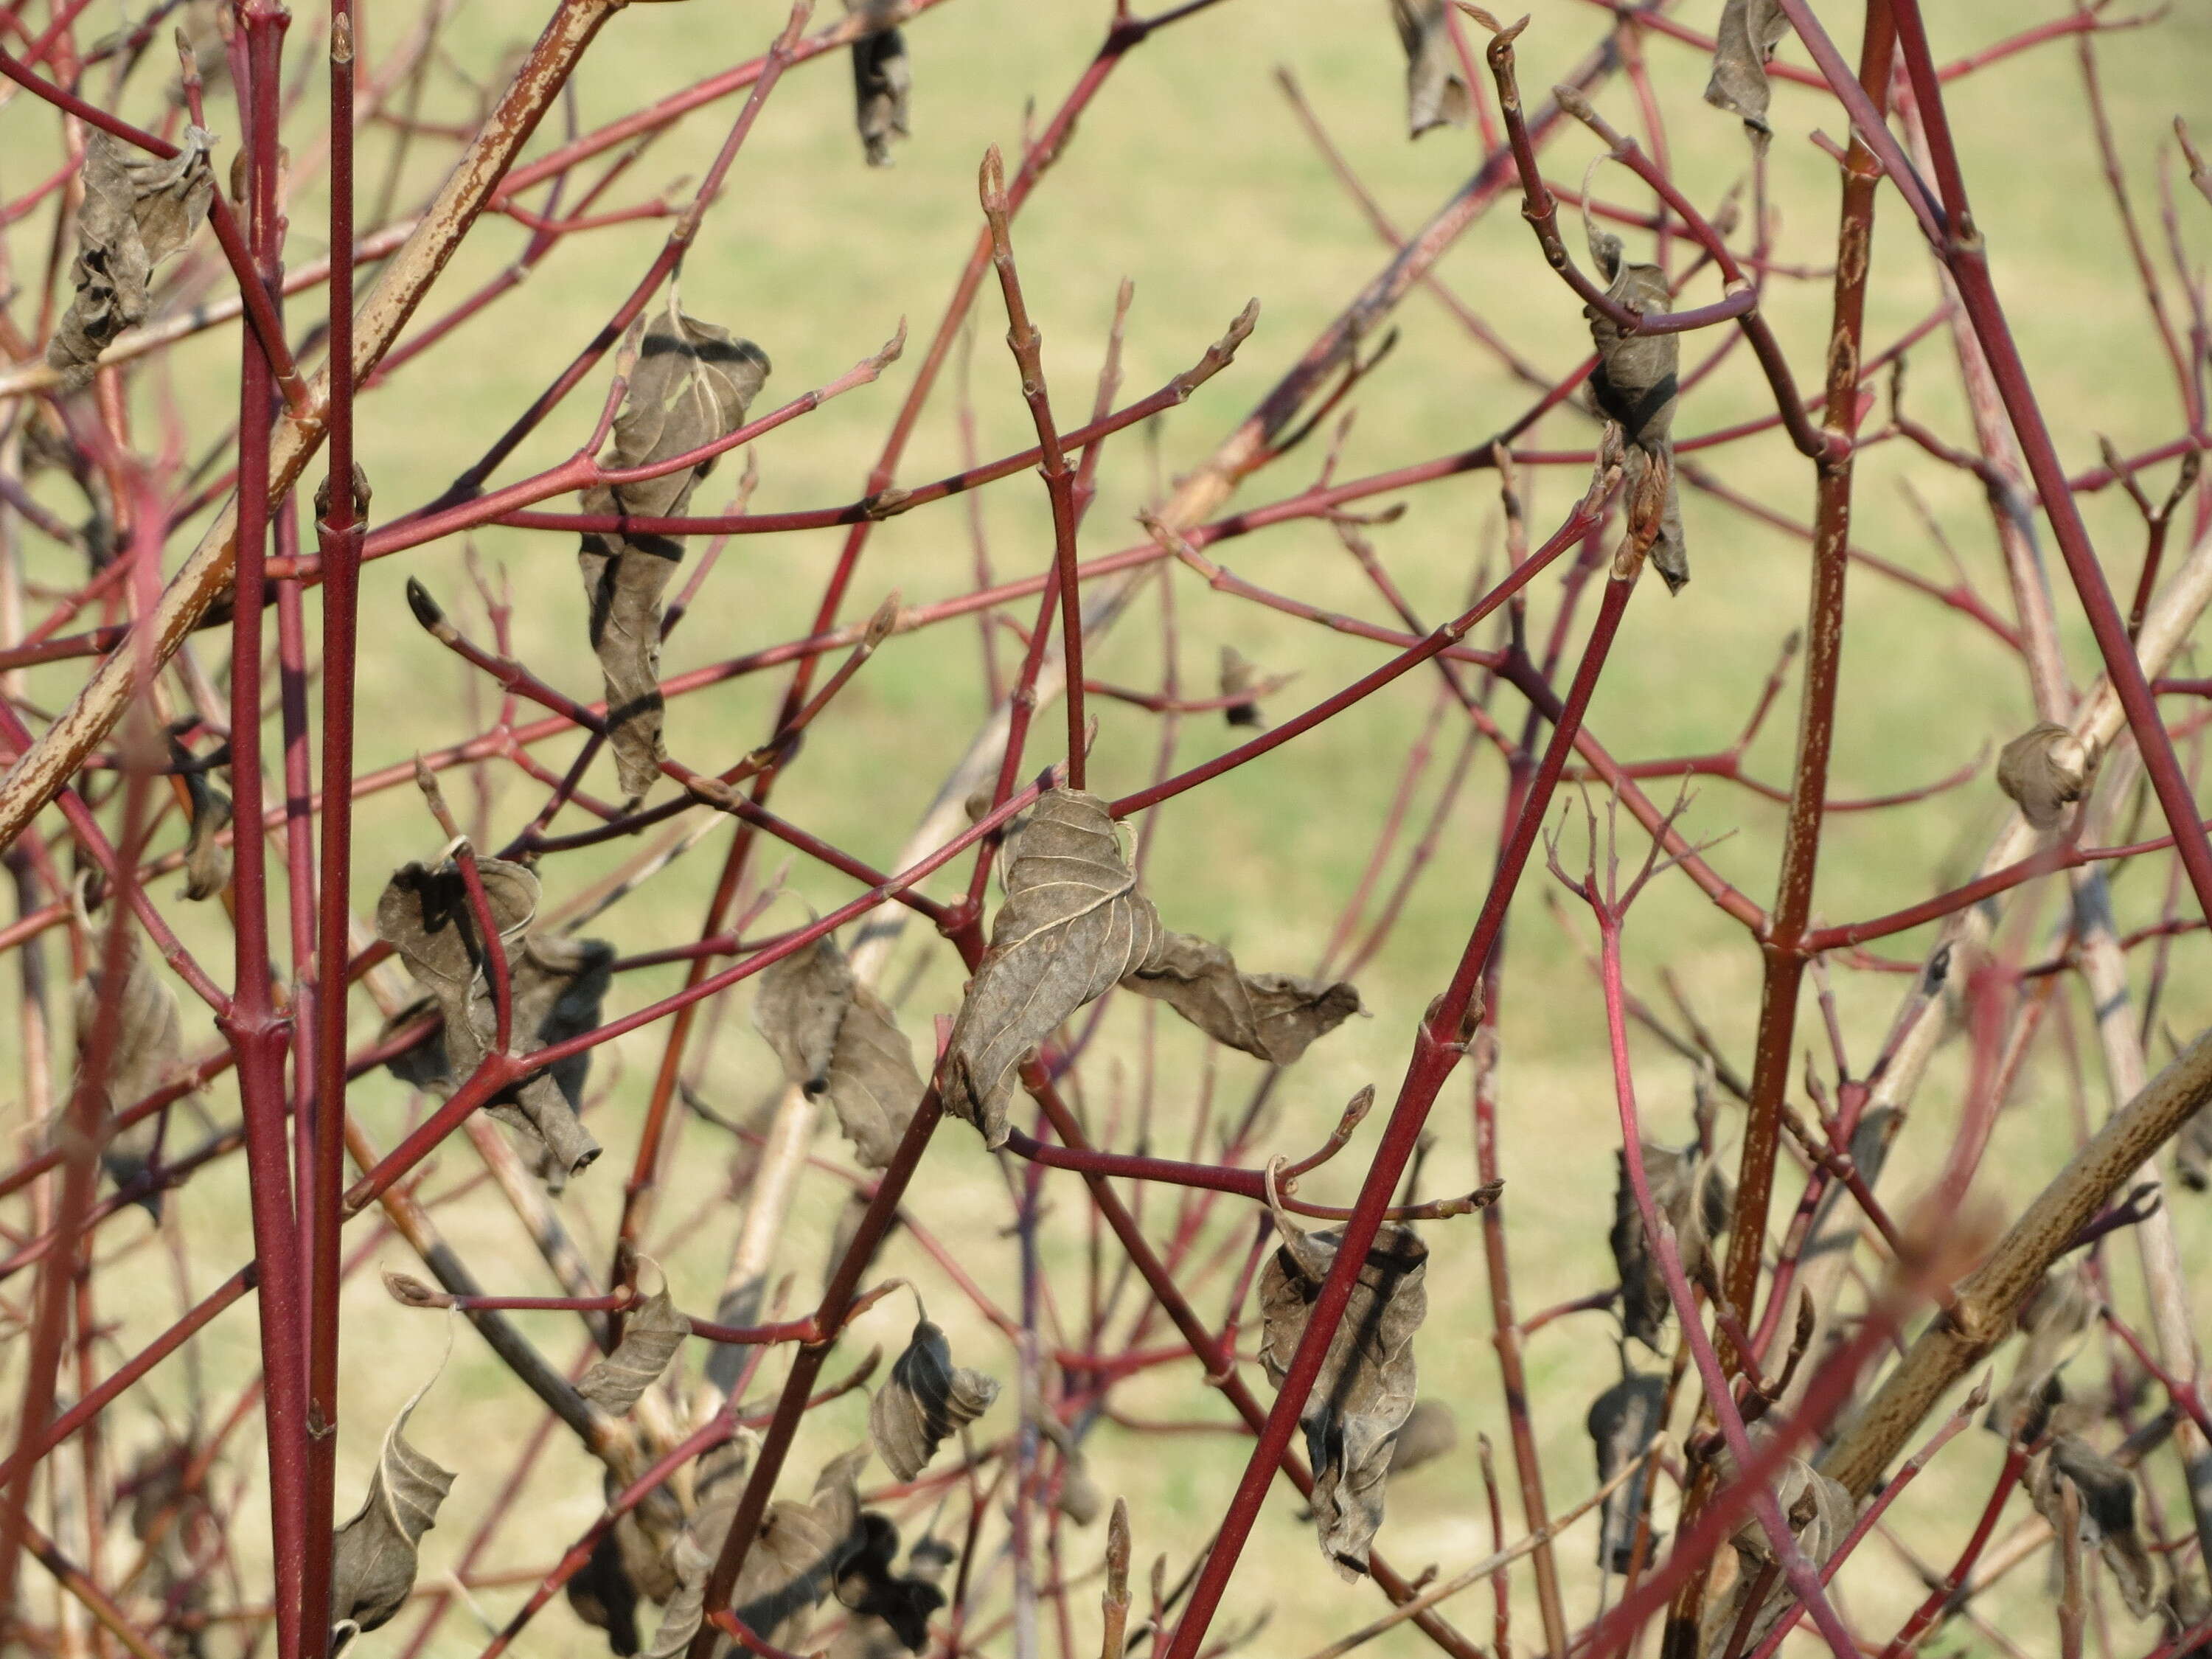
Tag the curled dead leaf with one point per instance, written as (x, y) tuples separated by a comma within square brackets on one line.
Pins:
[(1634, 385), (1623, 1422), (2043, 770), (1689, 1189), (925, 1398), (146, 1054), (1749, 34), (1435, 91), (1820, 1512), (207, 860), (836, 1037), (1363, 1392), (373, 1556), (882, 82), (1241, 679), (1430, 1430), (890, 1613), (2056, 1320), (2111, 1523), (691, 385), (603, 1596), (138, 209), (651, 1336)]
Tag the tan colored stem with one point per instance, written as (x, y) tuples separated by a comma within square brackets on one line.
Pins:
[(1989, 1297), (205, 576)]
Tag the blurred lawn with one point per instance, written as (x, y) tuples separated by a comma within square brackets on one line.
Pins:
[(1191, 177)]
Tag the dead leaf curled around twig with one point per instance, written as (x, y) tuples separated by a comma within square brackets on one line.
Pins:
[(1818, 1512), (1749, 34), (1435, 92), (651, 1336), (1072, 925), (207, 860), (2110, 1521), (836, 1037), (1272, 1016), (2192, 1152), (1634, 385), (1697, 1200), (2056, 1320), (555, 984), (882, 82), (1623, 1422), (691, 386), (603, 1596), (373, 1556), (1365, 1390), (138, 209), (2045, 769), (1430, 1430), (925, 1398), (890, 1613), (146, 1054), (1239, 678)]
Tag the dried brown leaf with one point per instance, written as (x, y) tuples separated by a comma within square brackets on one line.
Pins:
[(374, 1555), (1435, 91), (651, 1336), (836, 1037), (1634, 385), (1819, 1513), (2192, 1152), (1430, 1430), (556, 986), (2043, 770), (137, 211), (148, 1052), (890, 1613), (882, 82), (925, 1398), (1365, 1391), (1240, 678), (1073, 924), (1273, 1017), (2056, 1318), (1623, 1422), (207, 860), (603, 1596), (1749, 34), (691, 385), (2110, 1522), (1697, 1200)]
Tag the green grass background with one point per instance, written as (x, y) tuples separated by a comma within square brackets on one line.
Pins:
[(1190, 177)]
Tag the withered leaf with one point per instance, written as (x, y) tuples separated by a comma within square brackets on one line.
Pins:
[(2043, 770), (1365, 1391), (207, 860), (1634, 386), (2056, 1318), (2109, 1523), (555, 984), (1239, 678), (686, 1609), (882, 82), (1079, 1498), (1697, 1198), (1623, 1422), (925, 1398), (374, 1555), (2192, 1152), (138, 209), (1430, 1430), (1273, 1017), (148, 1052), (1819, 1513), (1072, 925), (1749, 34), (651, 1336), (836, 1037), (1435, 92), (691, 386), (890, 1613), (795, 1563), (603, 1596)]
